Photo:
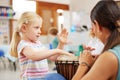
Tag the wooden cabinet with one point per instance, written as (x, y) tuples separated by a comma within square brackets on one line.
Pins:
[(48, 12)]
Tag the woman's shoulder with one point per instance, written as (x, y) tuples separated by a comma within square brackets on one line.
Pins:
[(108, 60), (108, 56), (111, 53), (116, 51)]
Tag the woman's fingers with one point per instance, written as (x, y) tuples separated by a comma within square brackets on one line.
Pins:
[(89, 48), (86, 57)]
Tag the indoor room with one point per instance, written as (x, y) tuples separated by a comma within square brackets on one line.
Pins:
[(71, 15)]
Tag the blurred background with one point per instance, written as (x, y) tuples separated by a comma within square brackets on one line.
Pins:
[(74, 15)]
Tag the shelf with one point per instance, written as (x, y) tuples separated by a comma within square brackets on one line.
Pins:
[(5, 6), (1, 17)]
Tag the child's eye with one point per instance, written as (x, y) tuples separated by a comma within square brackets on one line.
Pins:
[(37, 27)]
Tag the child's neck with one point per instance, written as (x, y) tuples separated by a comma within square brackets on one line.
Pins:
[(29, 40)]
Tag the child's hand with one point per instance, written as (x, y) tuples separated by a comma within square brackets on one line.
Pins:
[(63, 36), (66, 53), (62, 52)]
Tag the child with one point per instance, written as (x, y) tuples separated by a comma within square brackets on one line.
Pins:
[(31, 53), (53, 33)]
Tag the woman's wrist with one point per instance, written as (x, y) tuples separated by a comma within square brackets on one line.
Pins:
[(85, 64), (81, 71)]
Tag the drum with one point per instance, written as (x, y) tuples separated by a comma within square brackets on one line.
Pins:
[(67, 67)]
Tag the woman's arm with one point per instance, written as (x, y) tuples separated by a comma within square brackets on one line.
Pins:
[(104, 68), (85, 62), (81, 71)]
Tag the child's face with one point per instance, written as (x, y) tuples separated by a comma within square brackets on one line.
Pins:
[(33, 31)]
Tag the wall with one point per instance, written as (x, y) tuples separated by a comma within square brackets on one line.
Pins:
[(5, 2), (84, 5), (80, 15), (57, 1), (21, 6), (82, 8)]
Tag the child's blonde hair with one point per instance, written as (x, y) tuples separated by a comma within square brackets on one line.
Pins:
[(26, 18)]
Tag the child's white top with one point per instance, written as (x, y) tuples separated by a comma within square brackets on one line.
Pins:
[(30, 68)]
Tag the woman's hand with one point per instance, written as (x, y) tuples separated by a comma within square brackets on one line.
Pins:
[(62, 37), (88, 48), (87, 58)]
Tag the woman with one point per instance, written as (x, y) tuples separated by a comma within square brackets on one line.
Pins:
[(105, 17)]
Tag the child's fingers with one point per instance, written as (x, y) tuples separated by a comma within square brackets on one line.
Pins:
[(67, 53)]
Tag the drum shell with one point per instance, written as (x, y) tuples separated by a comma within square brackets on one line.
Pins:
[(67, 68)]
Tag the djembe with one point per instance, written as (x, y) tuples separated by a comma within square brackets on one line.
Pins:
[(67, 66)]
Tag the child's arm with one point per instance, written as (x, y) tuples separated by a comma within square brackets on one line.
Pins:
[(41, 54), (62, 37), (50, 54)]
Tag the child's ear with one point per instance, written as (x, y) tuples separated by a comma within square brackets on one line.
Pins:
[(23, 28)]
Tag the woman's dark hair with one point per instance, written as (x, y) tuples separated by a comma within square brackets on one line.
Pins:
[(107, 14)]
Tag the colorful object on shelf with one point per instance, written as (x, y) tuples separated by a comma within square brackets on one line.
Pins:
[(6, 11)]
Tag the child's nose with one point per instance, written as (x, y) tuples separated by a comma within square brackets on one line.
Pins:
[(39, 32)]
